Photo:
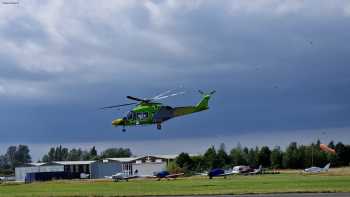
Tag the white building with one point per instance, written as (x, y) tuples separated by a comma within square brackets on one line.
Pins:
[(142, 166)]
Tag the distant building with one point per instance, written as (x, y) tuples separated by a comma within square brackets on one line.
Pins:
[(69, 167), (143, 166)]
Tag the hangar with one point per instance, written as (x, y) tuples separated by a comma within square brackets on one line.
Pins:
[(69, 167), (141, 166)]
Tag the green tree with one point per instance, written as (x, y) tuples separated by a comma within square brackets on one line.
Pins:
[(65, 153), (198, 163), (172, 167), (75, 155), (209, 158), (51, 154), (276, 157), (45, 158), (4, 163), (341, 154), (17, 155), (93, 153), (290, 158), (22, 155), (222, 158), (264, 156), (237, 156), (10, 156), (116, 152), (184, 161)]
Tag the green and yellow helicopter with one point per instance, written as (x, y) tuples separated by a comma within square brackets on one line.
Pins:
[(149, 111)]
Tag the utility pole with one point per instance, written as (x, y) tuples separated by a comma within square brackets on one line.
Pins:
[(312, 154)]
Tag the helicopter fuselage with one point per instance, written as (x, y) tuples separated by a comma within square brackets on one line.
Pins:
[(155, 113)]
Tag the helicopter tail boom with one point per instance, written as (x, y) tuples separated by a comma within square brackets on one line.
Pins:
[(202, 105)]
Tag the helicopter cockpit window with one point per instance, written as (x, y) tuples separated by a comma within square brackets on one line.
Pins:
[(130, 115)]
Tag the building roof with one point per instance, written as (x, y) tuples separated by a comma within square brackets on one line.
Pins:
[(120, 159), (169, 156), (73, 162), (124, 159), (34, 164)]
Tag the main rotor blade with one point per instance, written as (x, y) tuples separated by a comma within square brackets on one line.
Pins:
[(166, 92), (136, 99), (163, 93), (115, 106), (171, 95)]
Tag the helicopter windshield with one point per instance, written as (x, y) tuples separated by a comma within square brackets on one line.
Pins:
[(137, 116), (130, 115)]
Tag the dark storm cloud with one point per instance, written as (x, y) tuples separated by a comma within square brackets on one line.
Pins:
[(275, 65)]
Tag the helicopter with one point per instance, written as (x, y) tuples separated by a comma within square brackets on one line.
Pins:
[(150, 111)]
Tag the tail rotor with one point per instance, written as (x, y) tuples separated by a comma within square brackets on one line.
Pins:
[(203, 93)]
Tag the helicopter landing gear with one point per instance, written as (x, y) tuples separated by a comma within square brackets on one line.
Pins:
[(159, 126)]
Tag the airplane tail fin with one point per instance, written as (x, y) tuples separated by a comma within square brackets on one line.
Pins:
[(326, 168), (203, 104)]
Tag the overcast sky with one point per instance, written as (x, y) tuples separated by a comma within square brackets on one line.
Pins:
[(281, 69)]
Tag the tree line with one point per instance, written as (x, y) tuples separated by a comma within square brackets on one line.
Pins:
[(64, 154), (18, 155), (14, 156), (293, 157)]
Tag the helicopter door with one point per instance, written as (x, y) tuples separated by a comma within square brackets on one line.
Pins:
[(142, 116)]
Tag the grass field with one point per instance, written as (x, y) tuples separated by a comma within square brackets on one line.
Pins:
[(281, 183)]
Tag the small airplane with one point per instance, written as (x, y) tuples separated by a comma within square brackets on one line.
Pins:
[(218, 172), (150, 111), (241, 169), (256, 171), (121, 177), (166, 175), (237, 170), (317, 169), (246, 170)]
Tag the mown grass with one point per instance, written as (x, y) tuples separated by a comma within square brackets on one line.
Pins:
[(281, 183)]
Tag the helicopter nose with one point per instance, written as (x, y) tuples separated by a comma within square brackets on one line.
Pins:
[(117, 122)]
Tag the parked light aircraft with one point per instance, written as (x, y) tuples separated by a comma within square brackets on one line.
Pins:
[(166, 175), (158, 175), (317, 169), (121, 177), (217, 172), (237, 170)]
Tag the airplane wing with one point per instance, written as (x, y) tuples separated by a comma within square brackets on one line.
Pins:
[(148, 177), (313, 170), (174, 175), (202, 174), (131, 177), (229, 173)]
